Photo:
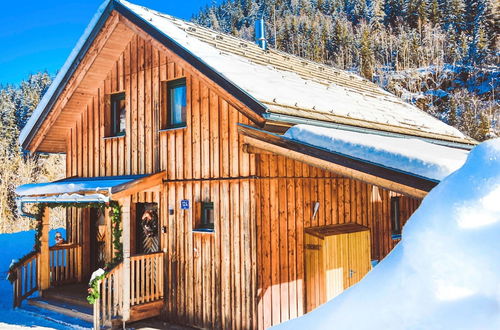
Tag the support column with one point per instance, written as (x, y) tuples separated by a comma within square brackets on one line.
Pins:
[(44, 261), (126, 204)]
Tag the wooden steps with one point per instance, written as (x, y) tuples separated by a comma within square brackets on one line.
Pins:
[(60, 307)]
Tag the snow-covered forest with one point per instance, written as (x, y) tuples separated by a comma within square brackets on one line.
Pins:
[(16, 168), (442, 55)]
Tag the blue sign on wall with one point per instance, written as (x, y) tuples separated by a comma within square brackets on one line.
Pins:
[(185, 204)]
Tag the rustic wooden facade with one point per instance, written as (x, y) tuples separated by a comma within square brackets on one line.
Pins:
[(248, 272)]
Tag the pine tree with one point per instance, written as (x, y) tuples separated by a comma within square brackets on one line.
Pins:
[(366, 53), (434, 13), (393, 11)]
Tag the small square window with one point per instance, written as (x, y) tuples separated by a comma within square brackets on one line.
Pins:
[(118, 114), (395, 218), (174, 113), (207, 216)]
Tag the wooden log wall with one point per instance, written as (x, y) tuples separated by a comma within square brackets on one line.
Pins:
[(249, 272), (287, 193), (211, 277)]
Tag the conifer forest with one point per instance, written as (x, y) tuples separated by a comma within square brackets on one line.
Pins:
[(442, 55)]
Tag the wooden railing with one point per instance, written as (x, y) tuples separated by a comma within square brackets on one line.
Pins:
[(110, 303), (65, 264), (146, 278), (26, 279)]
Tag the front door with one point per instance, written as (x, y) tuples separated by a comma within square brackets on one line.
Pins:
[(147, 236), (97, 239), (334, 262)]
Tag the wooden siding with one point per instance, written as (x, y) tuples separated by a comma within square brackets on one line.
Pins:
[(248, 273), (287, 192), (210, 277)]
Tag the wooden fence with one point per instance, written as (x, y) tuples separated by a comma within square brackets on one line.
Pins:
[(146, 278), (65, 264), (26, 279), (110, 303)]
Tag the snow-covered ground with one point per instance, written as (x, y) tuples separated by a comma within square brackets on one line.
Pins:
[(445, 273), (14, 246)]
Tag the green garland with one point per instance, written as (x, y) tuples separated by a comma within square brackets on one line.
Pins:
[(116, 217)]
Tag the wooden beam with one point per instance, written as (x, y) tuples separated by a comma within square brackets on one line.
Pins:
[(143, 184), (363, 171), (249, 149), (126, 214), (44, 265)]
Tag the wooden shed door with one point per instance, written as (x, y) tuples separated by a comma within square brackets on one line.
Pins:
[(334, 263)]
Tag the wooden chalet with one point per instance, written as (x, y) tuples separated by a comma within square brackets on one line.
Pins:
[(227, 223)]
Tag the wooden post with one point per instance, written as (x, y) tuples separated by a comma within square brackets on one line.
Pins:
[(44, 267), (126, 204)]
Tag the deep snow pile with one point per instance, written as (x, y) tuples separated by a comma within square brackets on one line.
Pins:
[(410, 155), (445, 273)]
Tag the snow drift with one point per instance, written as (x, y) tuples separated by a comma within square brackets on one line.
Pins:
[(445, 272)]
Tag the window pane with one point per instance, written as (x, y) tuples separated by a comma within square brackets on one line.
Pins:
[(178, 105), (122, 119)]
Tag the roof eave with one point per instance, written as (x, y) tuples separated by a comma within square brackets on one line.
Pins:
[(92, 30), (404, 182)]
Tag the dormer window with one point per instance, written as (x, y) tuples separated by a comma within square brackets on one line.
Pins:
[(118, 114), (174, 112)]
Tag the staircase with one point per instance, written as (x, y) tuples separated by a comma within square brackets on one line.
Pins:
[(68, 300)]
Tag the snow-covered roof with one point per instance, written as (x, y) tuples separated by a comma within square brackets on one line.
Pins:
[(409, 155), (275, 81), (280, 80), (75, 185)]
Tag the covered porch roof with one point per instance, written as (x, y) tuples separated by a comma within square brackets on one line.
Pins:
[(408, 166), (95, 189)]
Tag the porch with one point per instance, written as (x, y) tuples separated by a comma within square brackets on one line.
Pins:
[(132, 286)]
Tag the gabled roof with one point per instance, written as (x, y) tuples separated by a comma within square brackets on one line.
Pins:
[(273, 84)]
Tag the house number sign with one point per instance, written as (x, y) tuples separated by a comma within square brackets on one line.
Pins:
[(185, 204)]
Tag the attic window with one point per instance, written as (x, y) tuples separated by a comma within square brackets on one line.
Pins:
[(118, 115), (395, 219), (174, 105)]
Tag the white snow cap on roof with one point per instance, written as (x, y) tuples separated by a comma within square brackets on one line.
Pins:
[(269, 84), (404, 154), (444, 274)]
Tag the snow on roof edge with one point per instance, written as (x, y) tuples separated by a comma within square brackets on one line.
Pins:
[(35, 116)]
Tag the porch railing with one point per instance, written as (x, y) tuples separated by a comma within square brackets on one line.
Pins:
[(64, 264), (26, 279), (110, 302), (146, 278)]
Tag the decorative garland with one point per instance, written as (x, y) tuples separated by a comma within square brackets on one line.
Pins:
[(116, 217)]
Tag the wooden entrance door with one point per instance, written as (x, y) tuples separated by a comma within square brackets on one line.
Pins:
[(147, 228), (336, 257)]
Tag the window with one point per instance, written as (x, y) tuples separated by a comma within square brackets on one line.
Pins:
[(118, 114), (174, 114), (207, 216), (395, 220)]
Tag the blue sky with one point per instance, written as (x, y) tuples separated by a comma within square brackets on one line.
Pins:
[(38, 35)]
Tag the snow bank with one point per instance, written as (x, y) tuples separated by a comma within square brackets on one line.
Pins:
[(445, 272), (410, 155)]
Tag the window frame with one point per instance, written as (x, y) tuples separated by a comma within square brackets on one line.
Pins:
[(396, 227), (167, 108), (114, 125), (202, 223)]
